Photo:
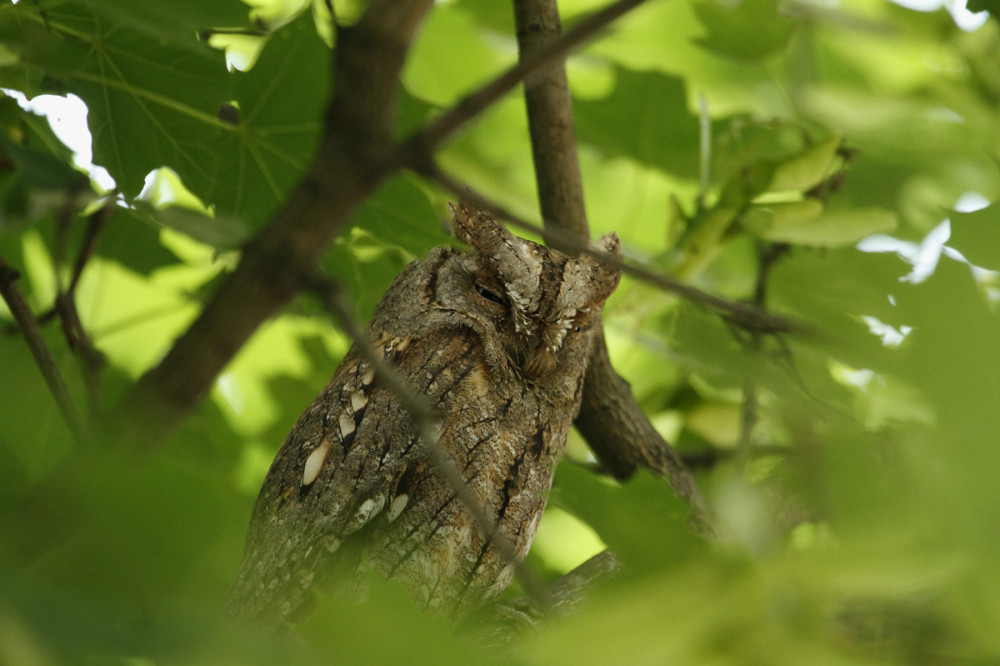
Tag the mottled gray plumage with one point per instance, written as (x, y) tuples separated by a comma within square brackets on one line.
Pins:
[(497, 340)]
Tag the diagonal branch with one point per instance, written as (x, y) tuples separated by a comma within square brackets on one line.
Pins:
[(354, 156), (441, 128), (744, 315), (36, 343)]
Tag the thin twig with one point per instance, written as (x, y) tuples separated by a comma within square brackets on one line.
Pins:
[(508, 619), (767, 255), (425, 420), (422, 142), (709, 457), (742, 314), (96, 222), (39, 350), (65, 302)]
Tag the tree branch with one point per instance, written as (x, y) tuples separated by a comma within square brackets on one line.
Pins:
[(610, 419), (354, 156), (36, 343), (423, 142), (508, 619), (550, 122), (90, 358), (744, 315), (768, 255)]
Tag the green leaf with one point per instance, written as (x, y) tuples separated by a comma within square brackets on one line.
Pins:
[(178, 20), (37, 172), (741, 142), (399, 213), (387, 629), (366, 267), (433, 73), (807, 169), (805, 223), (158, 102), (152, 101), (131, 240), (762, 218), (991, 6), (830, 290), (977, 236), (221, 233), (645, 117), (745, 29), (642, 521), (257, 161), (40, 170)]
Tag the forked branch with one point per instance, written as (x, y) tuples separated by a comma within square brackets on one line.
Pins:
[(39, 350), (356, 153)]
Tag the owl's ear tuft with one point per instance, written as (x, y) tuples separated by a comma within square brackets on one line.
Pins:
[(605, 271), (478, 229)]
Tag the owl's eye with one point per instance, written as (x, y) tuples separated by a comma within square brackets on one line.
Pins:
[(489, 295)]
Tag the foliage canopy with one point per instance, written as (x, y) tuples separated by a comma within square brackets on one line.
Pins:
[(744, 147)]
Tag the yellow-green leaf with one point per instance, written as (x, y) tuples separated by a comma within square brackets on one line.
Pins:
[(807, 169)]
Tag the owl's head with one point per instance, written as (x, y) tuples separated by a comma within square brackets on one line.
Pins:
[(539, 300)]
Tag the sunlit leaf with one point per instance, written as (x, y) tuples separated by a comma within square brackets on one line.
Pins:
[(805, 223), (808, 169)]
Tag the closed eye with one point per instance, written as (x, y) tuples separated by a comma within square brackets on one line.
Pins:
[(489, 295)]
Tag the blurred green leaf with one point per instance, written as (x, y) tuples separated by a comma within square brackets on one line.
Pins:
[(642, 521), (807, 169), (991, 6), (399, 213), (387, 628), (744, 29), (645, 117), (806, 223), (977, 236), (135, 243)]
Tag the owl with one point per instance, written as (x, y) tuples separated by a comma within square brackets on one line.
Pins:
[(496, 340)]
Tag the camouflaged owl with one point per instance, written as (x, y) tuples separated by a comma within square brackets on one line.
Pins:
[(497, 340)]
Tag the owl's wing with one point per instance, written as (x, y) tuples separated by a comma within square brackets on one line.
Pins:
[(336, 474)]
